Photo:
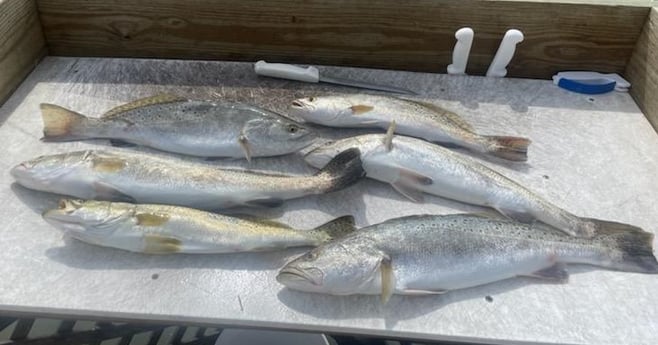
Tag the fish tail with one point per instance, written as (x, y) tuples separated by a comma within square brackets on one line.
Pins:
[(343, 170), (631, 247), (510, 148), (61, 124), (335, 229)]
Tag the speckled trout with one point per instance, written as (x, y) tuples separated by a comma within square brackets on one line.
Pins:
[(143, 178), (163, 229), (414, 166), (175, 124), (417, 119), (430, 254)]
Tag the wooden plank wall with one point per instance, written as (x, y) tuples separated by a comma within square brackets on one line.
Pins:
[(642, 70), (22, 43), (415, 35)]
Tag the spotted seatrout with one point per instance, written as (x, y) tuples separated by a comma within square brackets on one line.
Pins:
[(174, 124), (143, 178), (413, 118), (162, 229), (414, 166), (430, 254)]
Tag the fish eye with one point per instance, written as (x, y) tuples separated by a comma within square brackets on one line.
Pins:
[(293, 129)]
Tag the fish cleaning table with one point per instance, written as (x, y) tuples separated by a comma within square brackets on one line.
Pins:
[(596, 156)]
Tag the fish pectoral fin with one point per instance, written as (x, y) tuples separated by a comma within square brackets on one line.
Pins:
[(520, 216), (410, 192), (388, 278), (361, 109), (265, 202), (388, 139), (142, 102), (264, 222), (244, 144), (409, 183), (108, 164), (555, 274), (121, 143), (155, 244), (151, 219), (107, 192), (423, 292)]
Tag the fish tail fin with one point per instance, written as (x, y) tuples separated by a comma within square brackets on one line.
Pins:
[(343, 170), (632, 247), (61, 124), (510, 148), (335, 228)]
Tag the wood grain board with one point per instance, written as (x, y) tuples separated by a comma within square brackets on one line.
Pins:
[(415, 35), (21, 43), (642, 70)]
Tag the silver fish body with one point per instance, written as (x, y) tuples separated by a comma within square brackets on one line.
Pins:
[(413, 167), (431, 254), (412, 118), (164, 229), (196, 128), (143, 178)]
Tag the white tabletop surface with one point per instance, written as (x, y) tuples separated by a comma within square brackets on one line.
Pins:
[(596, 156)]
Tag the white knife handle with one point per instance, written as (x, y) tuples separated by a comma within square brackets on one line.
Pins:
[(498, 67), (284, 71), (461, 51)]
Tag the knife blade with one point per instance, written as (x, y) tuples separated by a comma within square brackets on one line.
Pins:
[(312, 75)]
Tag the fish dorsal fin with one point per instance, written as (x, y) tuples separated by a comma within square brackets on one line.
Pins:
[(454, 118), (487, 214), (143, 102)]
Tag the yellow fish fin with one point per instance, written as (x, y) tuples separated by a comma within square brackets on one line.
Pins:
[(361, 109), (155, 244), (143, 102), (151, 219)]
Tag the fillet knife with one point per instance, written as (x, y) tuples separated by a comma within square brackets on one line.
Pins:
[(312, 75)]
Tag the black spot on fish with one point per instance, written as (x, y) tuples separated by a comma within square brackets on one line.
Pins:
[(488, 298), (155, 276), (545, 176)]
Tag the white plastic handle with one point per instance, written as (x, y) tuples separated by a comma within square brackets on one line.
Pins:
[(498, 67), (285, 71), (461, 51)]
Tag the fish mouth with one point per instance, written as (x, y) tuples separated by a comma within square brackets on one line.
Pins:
[(20, 171), (63, 220), (302, 105), (295, 275), (62, 215)]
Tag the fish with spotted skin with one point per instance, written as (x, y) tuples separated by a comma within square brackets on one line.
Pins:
[(432, 254), (413, 167), (144, 178), (413, 118), (190, 127), (164, 229)]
